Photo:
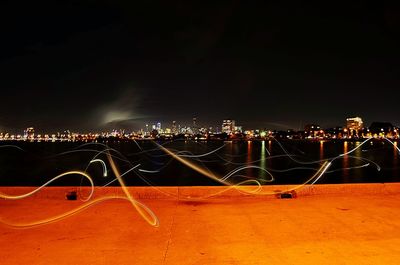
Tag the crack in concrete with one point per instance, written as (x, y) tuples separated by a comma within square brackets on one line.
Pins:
[(170, 231)]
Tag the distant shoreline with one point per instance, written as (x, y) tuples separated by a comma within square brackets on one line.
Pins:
[(111, 140)]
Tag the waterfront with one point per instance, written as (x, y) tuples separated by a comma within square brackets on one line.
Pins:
[(32, 164)]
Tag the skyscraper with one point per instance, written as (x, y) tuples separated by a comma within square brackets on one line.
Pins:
[(174, 130), (228, 126), (194, 126)]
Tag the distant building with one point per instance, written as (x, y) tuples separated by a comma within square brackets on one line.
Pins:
[(354, 127), (194, 126), (29, 133), (174, 129), (381, 128), (238, 129), (355, 124), (312, 127), (228, 126), (312, 130), (335, 132)]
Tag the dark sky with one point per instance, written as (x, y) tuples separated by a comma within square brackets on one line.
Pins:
[(86, 65)]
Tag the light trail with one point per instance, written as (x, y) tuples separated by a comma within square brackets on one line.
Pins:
[(22, 196), (68, 213), (123, 174), (192, 166), (102, 163), (144, 211)]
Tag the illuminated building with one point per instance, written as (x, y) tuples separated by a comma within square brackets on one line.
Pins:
[(158, 126), (354, 127), (238, 129), (228, 126), (311, 130), (354, 124), (174, 129), (334, 133), (29, 133), (194, 128)]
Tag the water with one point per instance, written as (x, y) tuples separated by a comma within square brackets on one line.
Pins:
[(40, 162)]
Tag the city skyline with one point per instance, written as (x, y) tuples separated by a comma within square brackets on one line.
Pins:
[(94, 66), (354, 128), (195, 124)]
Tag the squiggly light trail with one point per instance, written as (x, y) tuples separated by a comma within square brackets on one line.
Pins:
[(22, 196), (75, 211), (102, 163), (144, 211), (191, 165)]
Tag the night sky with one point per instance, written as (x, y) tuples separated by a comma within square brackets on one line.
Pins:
[(90, 65)]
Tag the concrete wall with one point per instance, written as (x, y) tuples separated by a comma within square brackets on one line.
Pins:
[(213, 191)]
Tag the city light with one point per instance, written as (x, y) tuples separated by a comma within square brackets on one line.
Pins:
[(354, 129)]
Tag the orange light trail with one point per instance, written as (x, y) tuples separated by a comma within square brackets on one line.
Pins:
[(143, 210)]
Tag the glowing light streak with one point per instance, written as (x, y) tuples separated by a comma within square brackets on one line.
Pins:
[(126, 172), (230, 174), (22, 196), (68, 213), (205, 154), (12, 146), (148, 171), (102, 163), (394, 144), (144, 211), (191, 165), (355, 148)]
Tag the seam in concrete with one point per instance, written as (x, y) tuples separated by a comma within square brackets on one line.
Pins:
[(170, 231), (205, 191)]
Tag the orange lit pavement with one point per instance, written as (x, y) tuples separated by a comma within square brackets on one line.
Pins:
[(333, 224)]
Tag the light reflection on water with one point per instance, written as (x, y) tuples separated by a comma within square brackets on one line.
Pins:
[(321, 150), (395, 160), (345, 160), (249, 158), (263, 174)]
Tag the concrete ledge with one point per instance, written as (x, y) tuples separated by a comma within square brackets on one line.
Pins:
[(327, 224), (212, 191)]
